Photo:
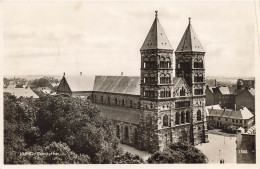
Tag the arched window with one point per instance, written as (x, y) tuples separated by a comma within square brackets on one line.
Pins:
[(168, 78), (187, 116), (200, 78), (196, 77), (182, 91), (146, 64), (177, 118), (162, 62), (131, 103), (167, 63), (118, 131), (165, 120), (152, 62), (198, 115), (198, 64), (162, 78), (126, 132), (182, 117), (148, 120)]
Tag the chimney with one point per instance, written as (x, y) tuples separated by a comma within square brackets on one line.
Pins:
[(80, 73), (122, 73), (215, 82)]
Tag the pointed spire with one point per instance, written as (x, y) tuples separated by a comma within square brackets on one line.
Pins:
[(156, 38), (189, 41)]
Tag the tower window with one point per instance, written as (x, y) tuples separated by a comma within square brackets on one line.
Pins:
[(165, 120), (182, 117), (198, 115), (126, 132), (187, 116), (177, 118), (198, 91), (198, 64)]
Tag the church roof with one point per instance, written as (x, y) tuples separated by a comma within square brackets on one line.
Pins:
[(156, 38), (189, 41), (80, 83), (118, 84)]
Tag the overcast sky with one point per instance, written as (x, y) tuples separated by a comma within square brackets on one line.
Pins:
[(104, 38)]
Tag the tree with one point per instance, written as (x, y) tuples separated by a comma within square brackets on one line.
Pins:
[(128, 158), (180, 152), (57, 124)]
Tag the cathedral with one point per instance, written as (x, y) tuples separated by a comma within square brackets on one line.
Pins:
[(156, 108)]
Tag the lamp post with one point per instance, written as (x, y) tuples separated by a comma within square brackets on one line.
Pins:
[(219, 154)]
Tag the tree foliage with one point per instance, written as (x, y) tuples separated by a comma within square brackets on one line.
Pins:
[(128, 158), (180, 152), (72, 127)]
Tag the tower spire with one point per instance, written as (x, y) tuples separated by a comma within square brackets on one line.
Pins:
[(156, 14), (189, 20), (156, 38)]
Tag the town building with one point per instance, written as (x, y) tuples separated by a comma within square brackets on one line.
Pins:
[(222, 95), (240, 118), (246, 98), (21, 92), (246, 147), (155, 108)]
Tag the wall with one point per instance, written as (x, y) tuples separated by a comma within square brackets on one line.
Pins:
[(246, 149), (247, 100), (209, 97)]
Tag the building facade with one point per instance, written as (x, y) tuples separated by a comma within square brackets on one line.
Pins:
[(223, 117), (156, 108), (246, 147), (246, 98)]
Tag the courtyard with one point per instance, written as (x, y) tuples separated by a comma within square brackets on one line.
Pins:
[(218, 147)]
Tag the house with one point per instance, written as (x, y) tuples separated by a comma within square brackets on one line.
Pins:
[(246, 147), (44, 90), (240, 118), (216, 107), (222, 95), (21, 92), (156, 108), (246, 98)]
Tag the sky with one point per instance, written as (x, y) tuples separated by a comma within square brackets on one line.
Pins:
[(104, 38)]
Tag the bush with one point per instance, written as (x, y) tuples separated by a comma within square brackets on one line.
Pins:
[(180, 152)]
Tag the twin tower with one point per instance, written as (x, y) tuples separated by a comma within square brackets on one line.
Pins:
[(173, 108)]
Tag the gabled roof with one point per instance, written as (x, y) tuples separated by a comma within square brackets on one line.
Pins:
[(227, 90), (156, 38), (118, 84), (189, 41), (128, 115), (251, 91), (177, 82), (80, 83), (21, 92), (243, 113), (251, 130)]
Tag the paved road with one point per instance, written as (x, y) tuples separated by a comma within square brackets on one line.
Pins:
[(226, 145)]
